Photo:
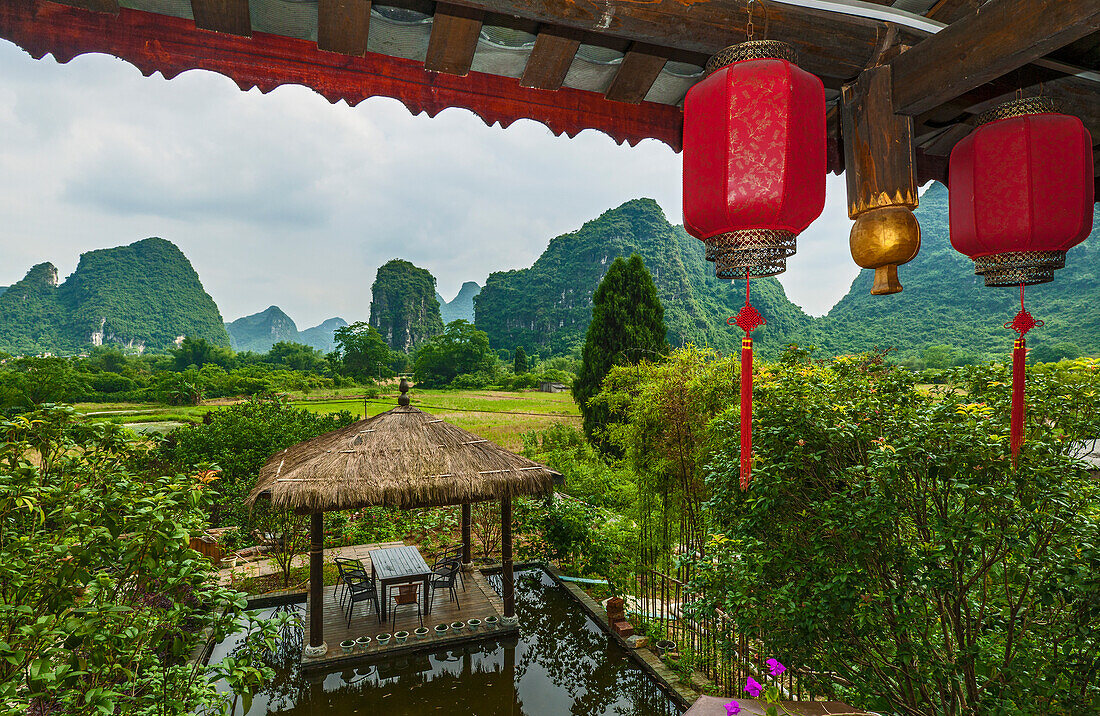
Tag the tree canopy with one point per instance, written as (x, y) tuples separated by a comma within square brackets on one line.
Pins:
[(627, 326), (460, 350)]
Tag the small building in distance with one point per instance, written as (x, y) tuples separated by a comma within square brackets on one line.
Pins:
[(550, 386)]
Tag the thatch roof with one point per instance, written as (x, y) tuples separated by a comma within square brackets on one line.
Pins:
[(401, 458)]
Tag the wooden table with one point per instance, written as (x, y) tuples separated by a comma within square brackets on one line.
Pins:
[(399, 565)]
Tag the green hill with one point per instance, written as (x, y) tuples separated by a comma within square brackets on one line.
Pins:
[(322, 337), (549, 306), (259, 331), (403, 306), (145, 295), (944, 303), (461, 307)]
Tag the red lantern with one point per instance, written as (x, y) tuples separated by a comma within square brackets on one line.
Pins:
[(754, 174), (754, 157), (1021, 196)]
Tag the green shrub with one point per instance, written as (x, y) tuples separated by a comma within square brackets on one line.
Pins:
[(101, 598)]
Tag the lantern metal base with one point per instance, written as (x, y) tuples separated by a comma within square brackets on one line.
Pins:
[(1013, 268), (756, 252)]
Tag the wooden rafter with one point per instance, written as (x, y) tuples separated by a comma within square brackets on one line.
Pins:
[(948, 11), (1005, 35), (455, 32), (107, 6), (343, 25), (228, 16), (171, 45), (709, 25), (637, 73), (553, 53)]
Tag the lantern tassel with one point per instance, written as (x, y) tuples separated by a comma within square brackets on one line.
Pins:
[(1019, 366), (747, 319), (1021, 323), (746, 411)]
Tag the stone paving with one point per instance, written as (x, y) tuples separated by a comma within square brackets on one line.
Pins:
[(267, 565)]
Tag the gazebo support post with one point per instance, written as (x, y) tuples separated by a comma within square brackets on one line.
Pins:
[(467, 553), (508, 589), (317, 646)]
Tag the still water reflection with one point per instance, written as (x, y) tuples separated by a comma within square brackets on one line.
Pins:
[(561, 663)]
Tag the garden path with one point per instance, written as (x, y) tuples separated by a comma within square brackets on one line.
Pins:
[(268, 566)]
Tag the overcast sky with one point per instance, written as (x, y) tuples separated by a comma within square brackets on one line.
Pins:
[(286, 199)]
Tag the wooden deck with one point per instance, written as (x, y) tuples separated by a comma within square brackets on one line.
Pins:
[(478, 601)]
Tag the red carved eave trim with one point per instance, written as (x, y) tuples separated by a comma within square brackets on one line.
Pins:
[(170, 45)]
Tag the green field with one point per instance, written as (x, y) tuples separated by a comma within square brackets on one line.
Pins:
[(500, 416)]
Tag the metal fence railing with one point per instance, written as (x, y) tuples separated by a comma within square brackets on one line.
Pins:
[(709, 642)]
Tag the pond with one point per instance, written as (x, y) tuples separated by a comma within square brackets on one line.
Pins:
[(561, 663)]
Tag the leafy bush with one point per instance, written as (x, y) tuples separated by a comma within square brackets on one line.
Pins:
[(887, 538), (239, 439), (101, 598), (588, 475)]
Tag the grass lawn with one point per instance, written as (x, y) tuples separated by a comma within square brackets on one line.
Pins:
[(497, 415)]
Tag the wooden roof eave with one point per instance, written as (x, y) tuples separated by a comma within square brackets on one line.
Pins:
[(158, 43)]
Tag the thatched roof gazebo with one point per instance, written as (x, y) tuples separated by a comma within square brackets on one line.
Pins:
[(402, 458)]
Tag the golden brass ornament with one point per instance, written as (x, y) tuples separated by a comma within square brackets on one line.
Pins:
[(883, 239)]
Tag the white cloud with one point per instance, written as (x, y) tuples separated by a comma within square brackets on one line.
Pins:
[(286, 199)]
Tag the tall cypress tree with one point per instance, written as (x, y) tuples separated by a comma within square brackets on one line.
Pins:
[(628, 324), (519, 362)]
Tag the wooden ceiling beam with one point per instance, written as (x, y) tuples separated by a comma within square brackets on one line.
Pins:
[(227, 16), (343, 26), (707, 26), (105, 6), (948, 11), (1005, 35), (637, 73), (455, 31), (553, 53)]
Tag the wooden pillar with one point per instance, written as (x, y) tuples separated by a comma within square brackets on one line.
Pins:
[(316, 579), (466, 519), (880, 171), (508, 585)]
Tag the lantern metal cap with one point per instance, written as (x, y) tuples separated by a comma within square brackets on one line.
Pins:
[(1012, 268), (1018, 108), (752, 50)]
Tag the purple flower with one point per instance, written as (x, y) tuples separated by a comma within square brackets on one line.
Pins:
[(775, 667), (733, 708), (753, 687)]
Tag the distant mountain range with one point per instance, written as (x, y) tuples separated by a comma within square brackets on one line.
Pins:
[(461, 306), (148, 296), (549, 305), (547, 308), (142, 296), (259, 331)]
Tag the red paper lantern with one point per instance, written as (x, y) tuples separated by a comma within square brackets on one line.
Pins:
[(754, 174), (754, 157), (1021, 192), (1021, 196)]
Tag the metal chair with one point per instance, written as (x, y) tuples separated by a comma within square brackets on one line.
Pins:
[(361, 589), (446, 557), (445, 579), (406, 594), (347, 568)]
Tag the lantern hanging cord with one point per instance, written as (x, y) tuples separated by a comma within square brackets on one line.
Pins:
[(750, 29)]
